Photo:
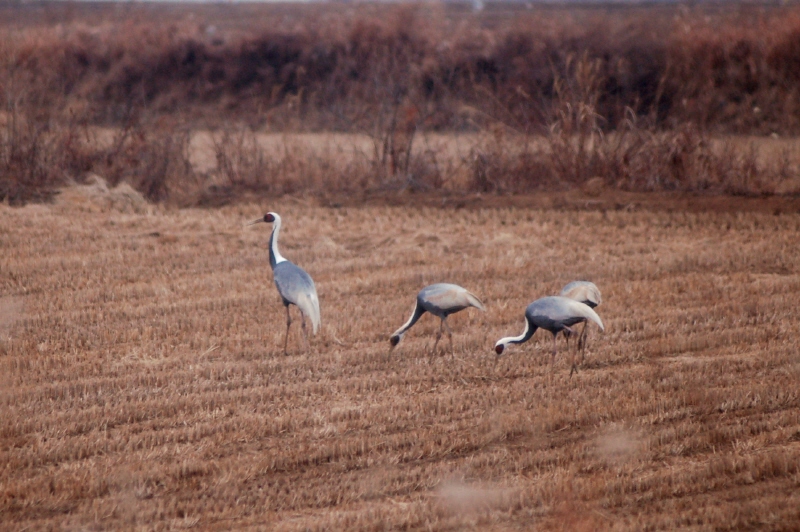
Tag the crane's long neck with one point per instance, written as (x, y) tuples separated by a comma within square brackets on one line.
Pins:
[(522, 338), (275, 256), (418, 312)]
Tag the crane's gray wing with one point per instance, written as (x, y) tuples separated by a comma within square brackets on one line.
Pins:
[(448, 298), (581, 309), (583, 291), (296, 286), (560, 310)]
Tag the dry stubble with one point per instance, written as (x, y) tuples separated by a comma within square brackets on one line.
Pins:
[(144, 383)]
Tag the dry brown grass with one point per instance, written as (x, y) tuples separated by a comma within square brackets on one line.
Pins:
[(144, 385)]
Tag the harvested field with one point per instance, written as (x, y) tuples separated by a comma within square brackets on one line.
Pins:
[(144, 384)]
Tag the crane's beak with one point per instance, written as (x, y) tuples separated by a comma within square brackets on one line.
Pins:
[(254, 222)]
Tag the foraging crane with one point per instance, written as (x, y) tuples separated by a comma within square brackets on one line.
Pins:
[(441, 300), (555, 314), (587, 293), (294, 285)]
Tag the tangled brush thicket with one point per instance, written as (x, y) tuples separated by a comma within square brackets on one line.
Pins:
[(630, 95)]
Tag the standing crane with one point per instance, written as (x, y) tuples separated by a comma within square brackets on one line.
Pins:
[(441, 300), (555, 314), (587, 293), (294, 285)]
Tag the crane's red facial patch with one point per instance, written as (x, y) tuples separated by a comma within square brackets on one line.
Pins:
[(394, 340), (269, 218), (499, 349)]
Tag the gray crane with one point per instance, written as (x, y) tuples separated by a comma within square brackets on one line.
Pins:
[(555, 314), (294, 285), (587, 293), (441, 300)]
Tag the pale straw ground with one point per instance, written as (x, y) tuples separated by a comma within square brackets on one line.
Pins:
[(144, 384)]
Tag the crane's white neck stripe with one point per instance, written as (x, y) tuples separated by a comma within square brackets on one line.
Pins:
[(407, 325), (276, 227), (516, 339)]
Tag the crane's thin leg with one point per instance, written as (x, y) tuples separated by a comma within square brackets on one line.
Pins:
[(305, 333), (582, 342), (449, 335), (573, 367), (438, 337), (288, 324), (552, 359)]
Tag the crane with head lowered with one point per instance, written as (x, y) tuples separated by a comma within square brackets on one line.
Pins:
[(441, 300), (552, 313)]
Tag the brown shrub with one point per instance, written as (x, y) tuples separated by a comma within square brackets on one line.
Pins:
[(630, 95), (323, 68)]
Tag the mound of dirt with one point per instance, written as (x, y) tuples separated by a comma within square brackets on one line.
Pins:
[(96, 196)]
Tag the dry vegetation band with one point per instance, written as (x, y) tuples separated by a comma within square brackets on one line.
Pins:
[(558, 95), (331, 67)]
